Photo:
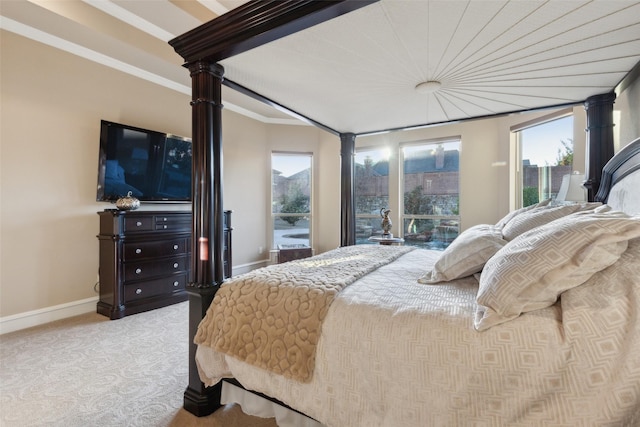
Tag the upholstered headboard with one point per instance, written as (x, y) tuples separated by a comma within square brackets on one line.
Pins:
[(620, 183)]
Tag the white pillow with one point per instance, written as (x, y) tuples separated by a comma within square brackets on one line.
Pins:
[(534, 269), (541, 215), (466, 255), (508, 217)]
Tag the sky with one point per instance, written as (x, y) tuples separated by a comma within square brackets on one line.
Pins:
[(290, 164), (376, 155), (540, 144)]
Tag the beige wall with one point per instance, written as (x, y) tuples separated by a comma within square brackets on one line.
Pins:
[(328, 194), (52, 103), (626, 115), (244, 154)]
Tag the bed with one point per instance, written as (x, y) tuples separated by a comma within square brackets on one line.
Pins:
[(482, 349), (404, 340)]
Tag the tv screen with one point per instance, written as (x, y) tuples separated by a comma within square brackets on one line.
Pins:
[(153, 166)]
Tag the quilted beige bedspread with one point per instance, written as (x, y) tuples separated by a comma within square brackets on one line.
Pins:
[(272, 317)]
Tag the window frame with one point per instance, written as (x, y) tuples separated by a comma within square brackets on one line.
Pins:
[(517, 140), (273, 215)]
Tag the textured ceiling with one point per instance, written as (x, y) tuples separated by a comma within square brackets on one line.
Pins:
[(358, 72)]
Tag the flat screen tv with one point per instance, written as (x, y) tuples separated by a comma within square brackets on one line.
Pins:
[(153, 166)]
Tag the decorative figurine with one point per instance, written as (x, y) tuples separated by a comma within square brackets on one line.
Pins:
[(128, 203), (386, 222)]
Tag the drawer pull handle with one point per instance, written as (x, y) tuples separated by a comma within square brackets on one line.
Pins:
[(138, 251), (175, 247), (138, 270), (175, 265), (138, 223), (138, 291), (176, 283), (164, 226)]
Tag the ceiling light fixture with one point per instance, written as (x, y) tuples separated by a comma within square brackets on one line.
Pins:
[(428, 86)]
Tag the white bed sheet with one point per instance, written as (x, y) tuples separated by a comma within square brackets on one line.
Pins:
[(394, 352)]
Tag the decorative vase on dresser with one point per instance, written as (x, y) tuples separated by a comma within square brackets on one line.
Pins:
[(145, 259)]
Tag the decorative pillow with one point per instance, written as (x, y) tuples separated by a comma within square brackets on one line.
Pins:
[(466, 255), (508, 217), (539, 216), (534, 269)]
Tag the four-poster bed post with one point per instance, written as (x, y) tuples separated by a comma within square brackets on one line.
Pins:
[(347, 202), (599, 130), (248, 26), (207, 244)]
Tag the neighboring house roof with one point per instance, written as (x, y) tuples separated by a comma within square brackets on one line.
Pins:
[(421, 162), (378, 169), (425, 161)]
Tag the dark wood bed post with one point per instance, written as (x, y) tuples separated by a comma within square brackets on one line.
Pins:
[(207, 263), (248, 26), (600, 149), (347, 175)]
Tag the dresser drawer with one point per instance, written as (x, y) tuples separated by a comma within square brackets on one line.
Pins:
[(145, 270), (138, 223), (141, 250), (175, 222), (152, 288), (172, 223)]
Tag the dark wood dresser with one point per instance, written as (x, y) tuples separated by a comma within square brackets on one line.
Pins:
[(145, 259)]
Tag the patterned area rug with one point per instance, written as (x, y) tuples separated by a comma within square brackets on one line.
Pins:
[(89, 370)]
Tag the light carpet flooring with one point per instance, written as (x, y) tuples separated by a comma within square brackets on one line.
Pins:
[(92, 371)]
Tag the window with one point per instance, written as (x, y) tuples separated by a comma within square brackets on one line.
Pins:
[(546, 155), (291, 184), (430, 183), (371, 191)]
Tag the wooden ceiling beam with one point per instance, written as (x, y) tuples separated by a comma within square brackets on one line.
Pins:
[(256, 23)]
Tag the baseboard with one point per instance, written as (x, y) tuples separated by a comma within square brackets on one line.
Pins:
[(245, 268), (29, 319), (62, 311)]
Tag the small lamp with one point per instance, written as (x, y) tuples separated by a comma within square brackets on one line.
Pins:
[(571, 189)]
